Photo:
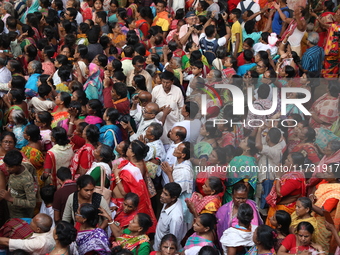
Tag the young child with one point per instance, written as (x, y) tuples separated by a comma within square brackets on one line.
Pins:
[(64, 73), (43, 120), (41, 103), (196, 69), (281, 221), (77, 141), (236, 32), (47, 194), (119, 98)]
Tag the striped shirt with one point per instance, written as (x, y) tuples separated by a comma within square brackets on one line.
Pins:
[(312, 59)]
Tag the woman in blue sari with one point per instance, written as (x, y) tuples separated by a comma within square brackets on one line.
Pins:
[(110, 134), (93, 87), (243, 169)]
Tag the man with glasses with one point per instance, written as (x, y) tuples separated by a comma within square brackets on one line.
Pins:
[(188, 32), (70, 15), (138, 63)]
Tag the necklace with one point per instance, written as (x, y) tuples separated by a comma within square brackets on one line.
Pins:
[(62, 249)]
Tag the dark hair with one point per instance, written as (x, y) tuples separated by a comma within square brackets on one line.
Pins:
[(13, 158), (208, 220), (64, 173), (66, 233), (208, 250), (157, 130), (15, 64), (245, 214), (249, 26), (137, 59), (27, 28), (33, 132), (117, 65), (93, 35), (195, 55), (144, 221), (18, 95), (92, 134), (266, 236), (197, 64), (248, 55), (133, 197), (85, 180), (274, 135), (45, 117), (239, 187), (47, 193), (121, 89), (155, 58), (82, 50), (66, 98), (84, 27), (118, 250), (237, 13), (174, 189), (210, 30), (298, 158), (169, 238), (263, 91), (140, 82), (215, 184), (102, 59), (263, 54), (64, 73), (73, 12), (31, 52), (128, 51), (283, 218), (113, 114), (7, 133), (186, 150), (106, 153), (90, 213), (104, 41), (81, 95), (120, 76), (304, 225), (188, 46), (60, 136), (212, 129), (102, 15), (290, 71), (192, 108), (333, 89), (310, 135), (96, 106), (62, 59), (139, 149)]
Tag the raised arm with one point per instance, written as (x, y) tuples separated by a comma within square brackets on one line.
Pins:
[(282, 15)]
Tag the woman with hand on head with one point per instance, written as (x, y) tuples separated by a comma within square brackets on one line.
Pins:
[(168, 246)]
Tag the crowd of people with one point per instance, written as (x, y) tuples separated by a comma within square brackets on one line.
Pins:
[(109, 143)]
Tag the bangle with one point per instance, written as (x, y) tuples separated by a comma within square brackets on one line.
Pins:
[(71, 123), (110, 223), (277, 179), (117, 178), (117, 182), (284, 43)]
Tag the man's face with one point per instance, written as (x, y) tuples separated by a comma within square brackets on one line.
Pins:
[(165, 197), (166, 85), (191, 20), (148, 113), (159, 7), (34, 226), (69, 4), (138, 67)]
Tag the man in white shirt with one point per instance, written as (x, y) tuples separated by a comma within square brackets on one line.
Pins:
[(171, 218), (41, 242), (169, 95), (5, 74), (138, 103), (255, 7), (138, 63)]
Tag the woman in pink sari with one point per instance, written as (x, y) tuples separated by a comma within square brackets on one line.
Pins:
[(226, 215), (84, 157), (127, 177), (325, 109)]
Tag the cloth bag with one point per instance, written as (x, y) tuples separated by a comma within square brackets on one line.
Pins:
[(106, 193)]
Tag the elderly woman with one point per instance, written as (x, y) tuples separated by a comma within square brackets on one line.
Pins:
[(59, 155), (128, 210), (34, 70)]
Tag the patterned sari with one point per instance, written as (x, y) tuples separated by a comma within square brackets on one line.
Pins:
[(93, 240), (308, 150), (244, 170), (86, 154), (37, 159), (93, 87), (196, 241), (205, 204), (130, 242), (326, 108), (58, 116), (325, 193), (331, 63)]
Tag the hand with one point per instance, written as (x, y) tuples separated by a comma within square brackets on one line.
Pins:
[(167, 168), (330, 226), (116, 170), (135, 100), (276, 6), (142, 139), (316, 246), (113, 208), (166, 50), (4, 194), (225, 16), (73, 112), (313, 14), (152, 40), (167, 110), (305, 252), (124, 124), (104, 214), (271, 12)]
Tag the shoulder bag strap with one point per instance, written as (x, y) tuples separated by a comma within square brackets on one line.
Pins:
[(102, 178)]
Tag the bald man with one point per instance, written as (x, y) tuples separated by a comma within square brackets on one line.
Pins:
[(41, 242), (138, 103), (177, 135), (149, 116)]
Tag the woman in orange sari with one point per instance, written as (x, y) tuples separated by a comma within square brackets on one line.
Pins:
[(33, 150), (325, 109), (327, 197), (60, 112), (288, 188)]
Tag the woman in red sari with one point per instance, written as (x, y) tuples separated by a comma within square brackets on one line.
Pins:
[(84, 157), (306, 146), (325, 109), (128, 178), (128, 210)]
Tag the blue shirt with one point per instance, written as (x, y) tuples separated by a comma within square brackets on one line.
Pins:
[(277, 21), (32, 82), (256, 36), (312, 59), (244, 68)]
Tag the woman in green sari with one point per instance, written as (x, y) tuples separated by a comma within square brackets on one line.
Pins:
[(189, 48), (243, 169)]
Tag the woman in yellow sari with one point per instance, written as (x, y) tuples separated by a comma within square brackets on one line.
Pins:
[(33, 150), (327, 196), (60, 112)]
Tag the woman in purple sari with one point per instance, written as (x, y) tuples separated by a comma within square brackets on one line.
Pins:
[(226, 215)]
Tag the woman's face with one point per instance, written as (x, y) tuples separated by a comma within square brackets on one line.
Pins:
[(203, 131), (98, 5), (96, 154), (148, 60), (83, 135), (302, 134), (198, 227), (244, 144), (300, 209), (117, 29), (260, 68), (328, 151), (240, 197), (199, 7), (8, 143), (128, 206), (129, 152), (273, 220), (206, 188), (168, 248), (246, 46), (113, 8), (74, 96), (89, 110), (194, 47), (37, 121), (120, 147), (305, 238), (57, 64), (257, 58), (289, 161), (66, 51), (86, 192), (132, 25), (25, 134), (213, 158), (58, 100), (134, 225)]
